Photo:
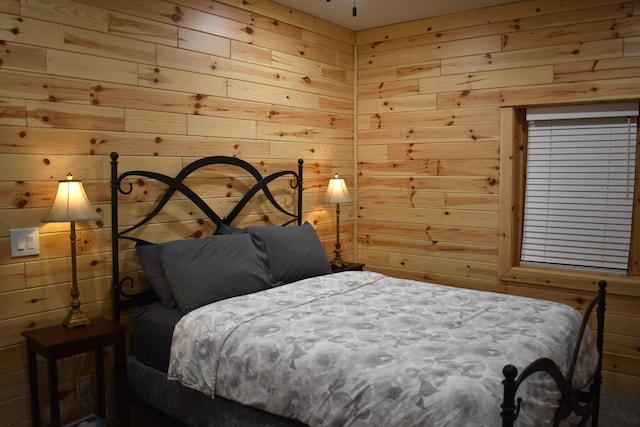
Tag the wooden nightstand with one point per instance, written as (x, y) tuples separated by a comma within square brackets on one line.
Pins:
[(57, 342), (348, 266)]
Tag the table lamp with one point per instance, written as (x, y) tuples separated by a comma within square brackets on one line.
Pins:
[(337, 193), (70, 205)]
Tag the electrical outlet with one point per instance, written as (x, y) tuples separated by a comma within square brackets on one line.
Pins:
[(83, 387)]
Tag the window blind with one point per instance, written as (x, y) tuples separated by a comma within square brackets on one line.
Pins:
[(579, 185)]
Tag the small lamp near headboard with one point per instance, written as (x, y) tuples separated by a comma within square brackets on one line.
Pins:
[(70, 205), (337, 192)]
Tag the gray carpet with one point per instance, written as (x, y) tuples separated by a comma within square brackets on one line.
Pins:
[(618, 409)]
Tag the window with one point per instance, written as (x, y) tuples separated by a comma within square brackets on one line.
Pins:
[(579, 186)]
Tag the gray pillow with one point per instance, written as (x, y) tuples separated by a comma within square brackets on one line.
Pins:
[(149, 257), (294, 253), (202, 271)]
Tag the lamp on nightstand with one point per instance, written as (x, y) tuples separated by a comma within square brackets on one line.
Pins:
[(337, 193), (70, 205)]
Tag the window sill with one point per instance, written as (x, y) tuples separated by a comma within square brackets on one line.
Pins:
[(572, 279)]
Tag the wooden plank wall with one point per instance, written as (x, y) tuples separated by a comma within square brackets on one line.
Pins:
[(434, 106), (162, 83), (165, 82)]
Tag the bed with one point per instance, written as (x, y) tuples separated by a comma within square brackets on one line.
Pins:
[(248, 326)]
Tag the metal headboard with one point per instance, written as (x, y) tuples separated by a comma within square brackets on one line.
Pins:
[(123, 300)]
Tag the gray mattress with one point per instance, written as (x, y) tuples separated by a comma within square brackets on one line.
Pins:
[(152, 332)]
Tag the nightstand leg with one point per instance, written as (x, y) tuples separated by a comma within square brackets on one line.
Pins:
[(54, 398), (33, 387), (120, 356), (100, 398)]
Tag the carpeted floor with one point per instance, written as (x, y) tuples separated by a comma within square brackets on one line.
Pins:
[(618, 409)]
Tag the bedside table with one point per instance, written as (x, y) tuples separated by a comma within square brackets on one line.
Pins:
[(57, 342), (348, 266)]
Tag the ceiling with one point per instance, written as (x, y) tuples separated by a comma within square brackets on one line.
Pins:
[(378, 13)]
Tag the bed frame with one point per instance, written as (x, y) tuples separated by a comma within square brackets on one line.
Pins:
[(584, 404), (151, 387)]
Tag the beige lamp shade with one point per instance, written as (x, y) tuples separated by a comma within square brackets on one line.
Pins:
[(337, 191), (71, 203)]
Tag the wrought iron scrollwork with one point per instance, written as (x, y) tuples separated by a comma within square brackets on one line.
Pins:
[(177, 184)]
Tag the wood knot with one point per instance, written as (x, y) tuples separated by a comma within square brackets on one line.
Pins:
[(248, 30), (177, 17)]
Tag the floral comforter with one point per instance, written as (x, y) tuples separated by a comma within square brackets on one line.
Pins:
[(364, 349)]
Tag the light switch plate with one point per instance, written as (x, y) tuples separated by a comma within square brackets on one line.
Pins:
[(24, 242)]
